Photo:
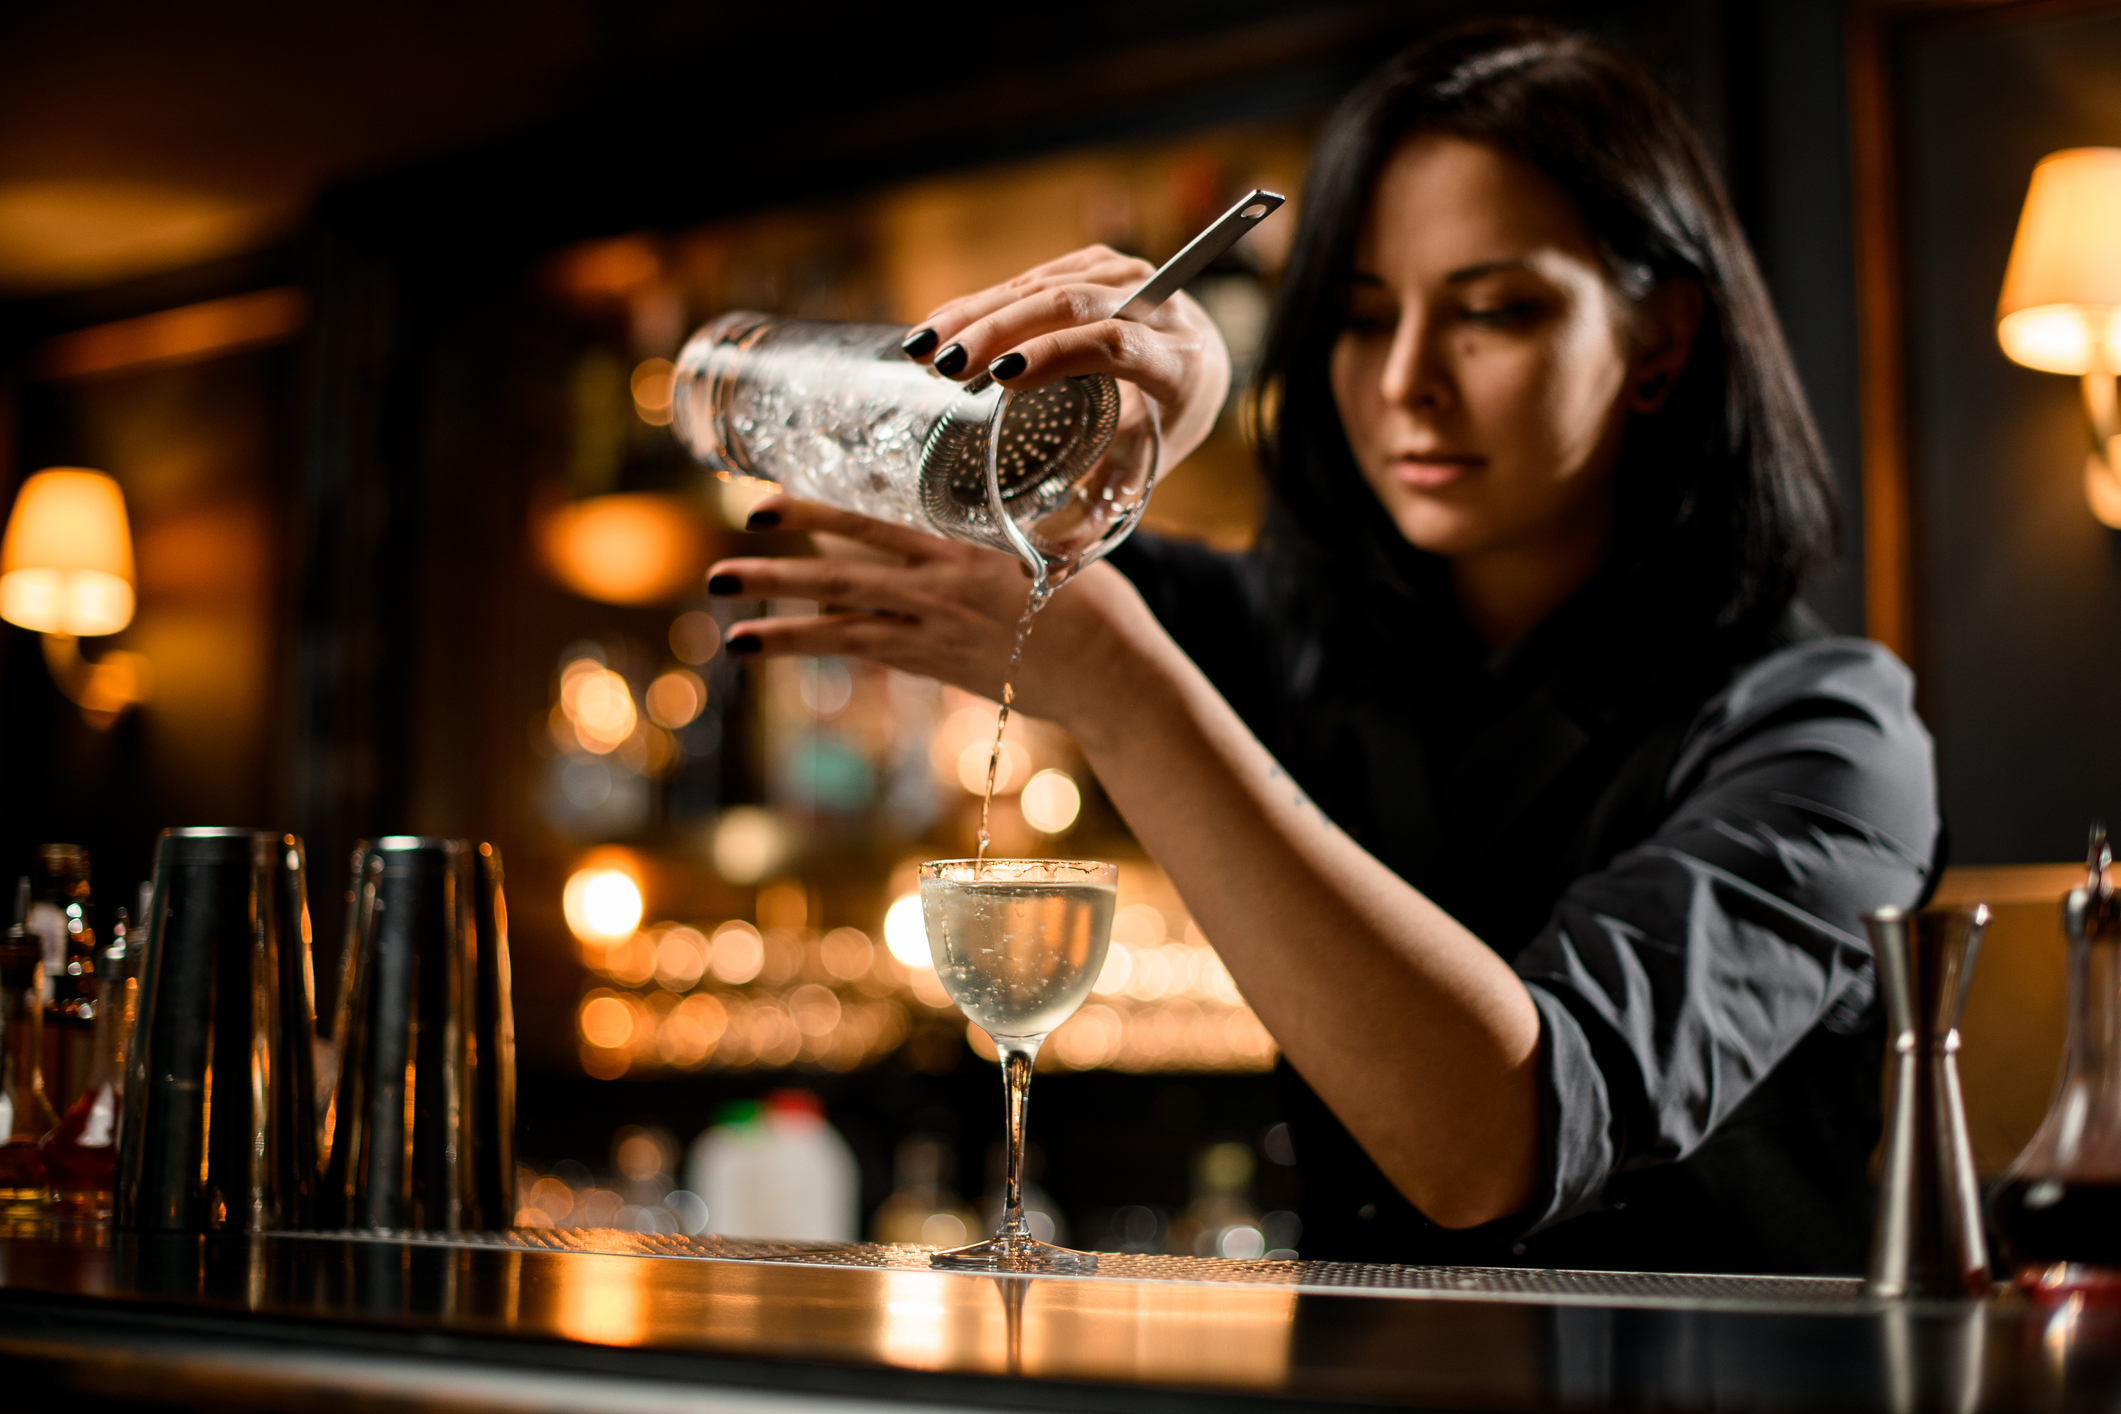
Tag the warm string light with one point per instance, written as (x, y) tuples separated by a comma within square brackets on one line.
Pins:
[(736, 997)]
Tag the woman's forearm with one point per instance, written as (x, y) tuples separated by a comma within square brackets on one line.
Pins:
[(1417, 1034)]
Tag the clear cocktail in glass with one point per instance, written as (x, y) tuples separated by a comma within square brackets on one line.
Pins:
[(1017, 944)]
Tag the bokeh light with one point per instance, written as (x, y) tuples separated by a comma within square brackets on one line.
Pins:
[(634, 547), (906, 932), (1138, 926), (695, 637), (606, 1019), (749, 844), (602, 905), (680, 958), (631, 960), (1051, 801), (737, 953), (675, 698), (1113, 977), (654, 384), (846, 953), (598, 703)]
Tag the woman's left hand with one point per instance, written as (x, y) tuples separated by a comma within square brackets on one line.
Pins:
[(924, 605)]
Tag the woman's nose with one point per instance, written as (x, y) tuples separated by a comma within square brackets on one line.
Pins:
[(1415, 372)]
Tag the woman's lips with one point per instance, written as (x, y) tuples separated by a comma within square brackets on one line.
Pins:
[(1432, 470)]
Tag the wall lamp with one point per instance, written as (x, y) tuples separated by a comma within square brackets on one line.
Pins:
[(2061, 306), (66, 573)]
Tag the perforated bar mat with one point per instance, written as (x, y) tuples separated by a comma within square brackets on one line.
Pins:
[(1346, 1278)]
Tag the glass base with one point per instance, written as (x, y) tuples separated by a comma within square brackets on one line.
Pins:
[(1024, 1254)]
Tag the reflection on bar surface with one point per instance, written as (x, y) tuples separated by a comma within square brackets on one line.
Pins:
[(340, 1312)]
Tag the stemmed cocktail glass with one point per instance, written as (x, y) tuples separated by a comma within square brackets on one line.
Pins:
[(1017, 944)]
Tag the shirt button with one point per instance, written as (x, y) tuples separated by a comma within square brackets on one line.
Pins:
[(1366, 1212)]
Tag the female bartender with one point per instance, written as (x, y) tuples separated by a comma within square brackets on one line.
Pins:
[(1527, 806)]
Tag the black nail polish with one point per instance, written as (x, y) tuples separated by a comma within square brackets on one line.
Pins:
[(951, 361), (919, 343), (742, 646), (763, 520), (724, 584), (1007, 366)]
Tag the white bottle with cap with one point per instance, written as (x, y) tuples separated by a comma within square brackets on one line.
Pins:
[(777, 1170)]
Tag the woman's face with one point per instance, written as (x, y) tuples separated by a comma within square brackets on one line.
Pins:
[(1484, 365)]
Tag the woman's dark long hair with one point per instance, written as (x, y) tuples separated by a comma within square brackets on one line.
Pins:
[(1723, 498)]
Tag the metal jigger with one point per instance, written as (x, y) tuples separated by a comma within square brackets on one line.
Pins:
[(1927, 1241)]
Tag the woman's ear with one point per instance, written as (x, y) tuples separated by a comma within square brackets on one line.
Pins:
[(1667, 321)]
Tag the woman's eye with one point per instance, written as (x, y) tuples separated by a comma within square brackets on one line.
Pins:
[(1357, 321), (1514, 314)]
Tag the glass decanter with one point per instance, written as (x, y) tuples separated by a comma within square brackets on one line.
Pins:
[(2057, 1209)]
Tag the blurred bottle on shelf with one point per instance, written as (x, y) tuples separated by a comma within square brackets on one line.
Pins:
[(59, 920), (81, 1154), (1222, 1220), (25, 1114), (923, 1208), (777, 1170)]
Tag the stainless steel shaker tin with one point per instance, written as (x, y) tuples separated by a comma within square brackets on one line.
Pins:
[(219, 1129), (423, 1112)]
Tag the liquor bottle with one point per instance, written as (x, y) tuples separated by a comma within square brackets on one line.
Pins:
[(25, 1114), (81, 1154), (60, 920)]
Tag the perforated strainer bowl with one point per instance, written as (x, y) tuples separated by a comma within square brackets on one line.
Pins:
[(837, 413)]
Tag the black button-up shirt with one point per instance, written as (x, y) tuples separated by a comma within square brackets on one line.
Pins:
[(1670, 833)]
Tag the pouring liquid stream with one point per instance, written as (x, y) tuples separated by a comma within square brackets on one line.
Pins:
[(1044, 580)]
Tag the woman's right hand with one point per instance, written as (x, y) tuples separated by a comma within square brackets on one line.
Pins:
[(1057, 319)]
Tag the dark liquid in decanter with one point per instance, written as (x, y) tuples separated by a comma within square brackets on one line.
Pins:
[(2042, 1221)]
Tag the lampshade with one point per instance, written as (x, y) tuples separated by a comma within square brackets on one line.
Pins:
[(67, 563), (2061, 305), (631, 548)]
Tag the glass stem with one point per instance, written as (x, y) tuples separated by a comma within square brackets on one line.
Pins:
[(1017, 1056)]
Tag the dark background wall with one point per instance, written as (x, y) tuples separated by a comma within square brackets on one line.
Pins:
[(2019, 589)]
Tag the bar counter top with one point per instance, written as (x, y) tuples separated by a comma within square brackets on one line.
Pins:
[(552, 1320)]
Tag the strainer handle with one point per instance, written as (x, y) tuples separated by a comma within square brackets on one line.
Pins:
[(1200, 252)]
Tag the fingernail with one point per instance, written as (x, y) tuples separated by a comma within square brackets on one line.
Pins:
[(742, 646), (951, 361), (725, 584), (1007, 366), (918, 343), (763, 520)]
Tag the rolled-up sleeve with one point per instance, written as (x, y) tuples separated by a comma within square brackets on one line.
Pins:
[(1672, 981)]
